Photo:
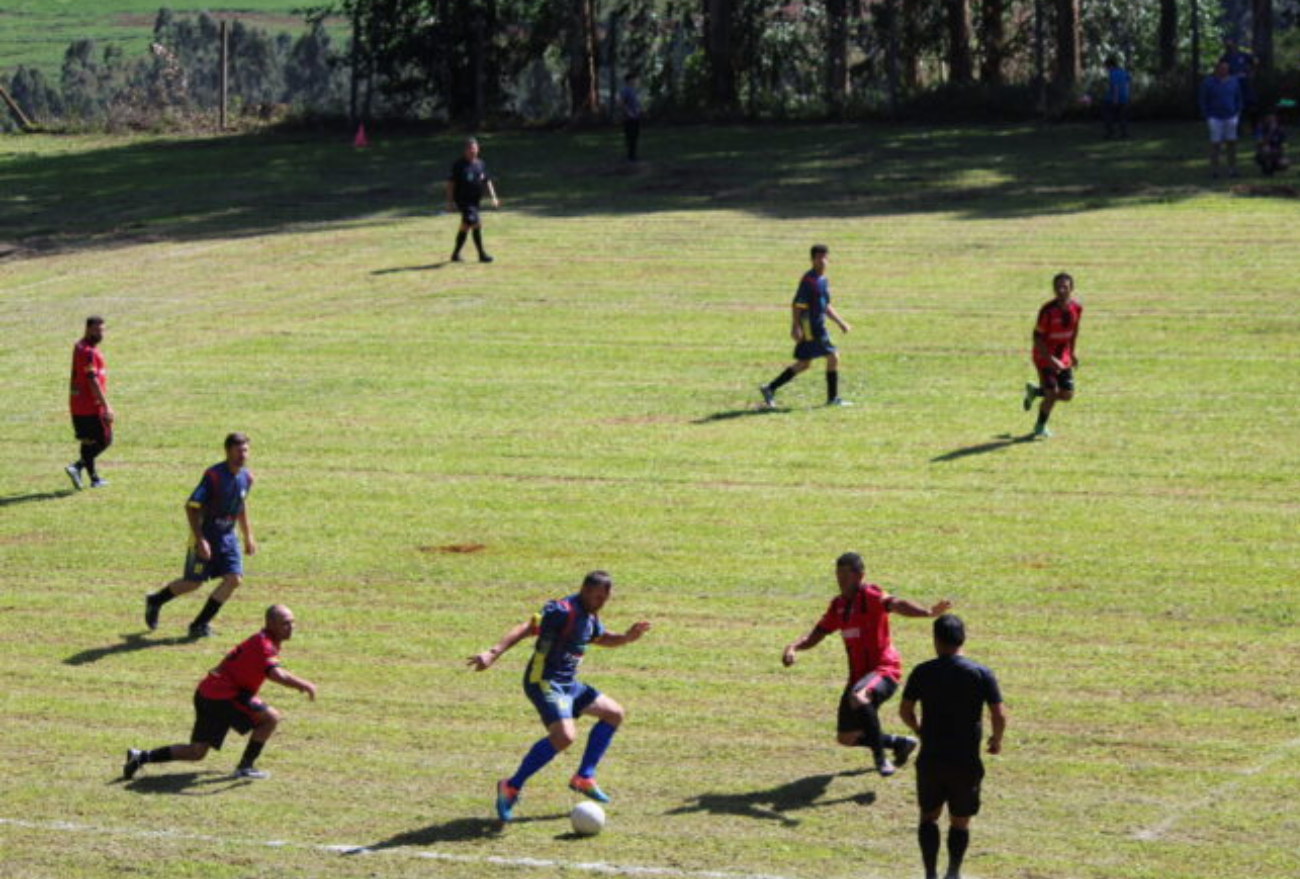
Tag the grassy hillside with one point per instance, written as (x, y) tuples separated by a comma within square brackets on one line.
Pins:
[(441, 447)]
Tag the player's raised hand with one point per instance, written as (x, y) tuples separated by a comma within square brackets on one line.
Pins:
[(481, 661), (940, 608), (636, 631)]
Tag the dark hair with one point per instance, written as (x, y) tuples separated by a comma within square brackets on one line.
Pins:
[(598, 578), (1112, 61), (852, 561), (631, 75), (1062, 276), (950, 630), (818, 248), (236, 439), (94, 320)]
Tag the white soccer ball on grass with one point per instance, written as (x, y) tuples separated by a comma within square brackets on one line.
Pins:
[(587, 819)]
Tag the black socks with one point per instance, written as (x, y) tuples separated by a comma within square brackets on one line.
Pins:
[(251, 753), (957, 842), (832, 386), (158, 755), (781, 379), (460, 242), (478, 241), (210, 610), (927, 834)]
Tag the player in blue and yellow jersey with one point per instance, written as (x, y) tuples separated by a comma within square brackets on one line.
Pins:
[(215, 506), (563, 630), (811, 307)]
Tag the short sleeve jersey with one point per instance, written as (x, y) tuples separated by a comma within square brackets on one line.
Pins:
[(242, 673), (631, 102), (863, 622), (563, 630), (468, 180), (220, 496), (87, 367), (953, 691), (1117, 86), (812, 299), (1058, 329)]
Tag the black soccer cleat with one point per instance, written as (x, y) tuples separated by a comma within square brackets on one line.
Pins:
[(134, 760), (485, 257), (456, 257), (74, 473), (885, 768), (151, 609), (903, 748), (200, 630), (769, 396)]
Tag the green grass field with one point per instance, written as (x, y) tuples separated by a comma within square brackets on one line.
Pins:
[(589, 401), (36, 33)]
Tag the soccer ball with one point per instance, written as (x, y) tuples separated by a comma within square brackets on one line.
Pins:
[(588, 819)]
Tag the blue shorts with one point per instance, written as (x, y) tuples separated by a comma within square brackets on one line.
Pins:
[(226, 559), (811, 350), (560, 701)]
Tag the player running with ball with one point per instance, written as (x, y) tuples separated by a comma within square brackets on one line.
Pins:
[(563, 630)]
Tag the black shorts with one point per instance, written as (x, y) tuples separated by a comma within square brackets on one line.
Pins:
[(1056, 379), (469, 214), (814, 348), (92, 429), (881, 689), (955, 785), (213, 718)]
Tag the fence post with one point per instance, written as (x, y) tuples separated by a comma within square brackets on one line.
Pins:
[(225, 84)]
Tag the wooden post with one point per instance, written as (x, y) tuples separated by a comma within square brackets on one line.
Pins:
[(1040, 62), (19, 115), (356, 62), (225, 79), (1196, 51), (611, 48)]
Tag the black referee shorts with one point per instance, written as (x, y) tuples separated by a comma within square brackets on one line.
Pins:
[(955, 785)]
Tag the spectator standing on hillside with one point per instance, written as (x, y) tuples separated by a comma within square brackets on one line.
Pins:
[(1270, 151), (1221, 103), (468, 180), (1114, 107), (92, 417), (629, 100), (1241, 67), (952, 692)]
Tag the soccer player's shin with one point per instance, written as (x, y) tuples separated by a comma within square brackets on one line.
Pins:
[(927, 834), (597, 744), (537, 757), (958, 840)]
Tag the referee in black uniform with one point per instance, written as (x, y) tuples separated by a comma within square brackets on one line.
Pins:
[(952, 691), (468, 179)]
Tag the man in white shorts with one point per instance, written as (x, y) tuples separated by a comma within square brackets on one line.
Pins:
[(1221, 102)]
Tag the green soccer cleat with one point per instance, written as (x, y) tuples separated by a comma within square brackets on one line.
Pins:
[(588, 788), (1041, 432), (1030, 393)]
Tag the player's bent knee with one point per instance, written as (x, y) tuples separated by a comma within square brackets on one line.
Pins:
[(848, 739)]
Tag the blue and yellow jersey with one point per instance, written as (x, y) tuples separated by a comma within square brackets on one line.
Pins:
[(220, 496), (563, 629), (812, 298)]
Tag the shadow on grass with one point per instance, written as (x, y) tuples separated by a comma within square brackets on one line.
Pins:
[(227, 187), (396, 269), (35, 497), (129, 644), (730, 414), (1002, 441), (185, 784), (457, 830), (773, 803)]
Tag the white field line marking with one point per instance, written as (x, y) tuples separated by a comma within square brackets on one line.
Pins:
[(1163, 826), (597, 867)]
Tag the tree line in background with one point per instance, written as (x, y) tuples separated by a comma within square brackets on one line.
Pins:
[(545, 60)]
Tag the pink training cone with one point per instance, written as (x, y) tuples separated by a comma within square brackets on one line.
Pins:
[(360, 139)]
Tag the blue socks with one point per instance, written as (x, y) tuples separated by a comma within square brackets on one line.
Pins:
[(537, 757), (597, 744)]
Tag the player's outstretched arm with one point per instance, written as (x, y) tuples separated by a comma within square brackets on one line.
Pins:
[(807, 642), (492, 191), (998, 714), (250, 545), (835, 316), (907, 712), (911, 609), (634, 633), (293, 682), (194, 515), (483, 661)]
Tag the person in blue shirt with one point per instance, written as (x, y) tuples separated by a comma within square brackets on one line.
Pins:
[(1221, 104), (564, 629), (630, 102), (214, 508), (1241, 66), (1114, 108), (811, 307)]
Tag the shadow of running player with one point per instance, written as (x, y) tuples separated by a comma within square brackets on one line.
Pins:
[(773, 803), (998, 443), (130, 643), (186, 784), (457, 830)]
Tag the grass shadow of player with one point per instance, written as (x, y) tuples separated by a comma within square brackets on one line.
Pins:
[(36, 496), (998, 443), (129, 644), (396, 269), (456, 830), (773, 803), (730, 414), (186, 784)]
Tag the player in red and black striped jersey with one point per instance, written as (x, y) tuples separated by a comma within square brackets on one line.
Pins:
[(1055, 334), (92, 417), (861, 615), (227, 698)]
